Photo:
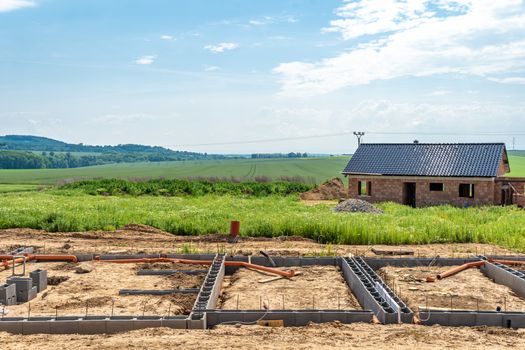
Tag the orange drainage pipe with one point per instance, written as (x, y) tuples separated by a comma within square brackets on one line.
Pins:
[(509, 262), (274, 271), (43, 257), (460, 268)]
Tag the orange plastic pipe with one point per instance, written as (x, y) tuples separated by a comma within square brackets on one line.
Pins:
[(460, 268), (509, 262), (43, 257), (288, 274)]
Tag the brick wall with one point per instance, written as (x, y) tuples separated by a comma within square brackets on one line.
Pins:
[(392, 189), (517, 183)]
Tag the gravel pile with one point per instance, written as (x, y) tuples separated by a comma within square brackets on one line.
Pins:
[(357, 206)]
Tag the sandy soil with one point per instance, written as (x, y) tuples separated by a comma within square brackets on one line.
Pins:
[(465, 290), (320, 287), (331, 336), (99, 289), (143, 239)]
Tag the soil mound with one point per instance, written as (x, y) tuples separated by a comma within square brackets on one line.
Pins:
[(332, 189), (357, 206), (141, 228)]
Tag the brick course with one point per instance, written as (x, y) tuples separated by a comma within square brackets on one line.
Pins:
[(391, 188)]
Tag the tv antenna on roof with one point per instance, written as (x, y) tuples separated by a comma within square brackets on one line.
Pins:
[(359, 135)]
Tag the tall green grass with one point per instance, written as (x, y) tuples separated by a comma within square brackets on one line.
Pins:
[(176, 187), (264, 216)]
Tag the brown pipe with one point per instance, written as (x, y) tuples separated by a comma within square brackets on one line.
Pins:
[(287, 274), (460, 268), (509, 262), (274, 271), (43, 257)]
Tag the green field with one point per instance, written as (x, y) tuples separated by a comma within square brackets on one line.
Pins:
[(265, 216), (191, 213), (313, 169)]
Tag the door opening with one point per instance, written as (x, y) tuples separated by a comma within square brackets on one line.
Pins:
[(409, 197)]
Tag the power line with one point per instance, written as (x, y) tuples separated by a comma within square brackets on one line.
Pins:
[(243, 142)]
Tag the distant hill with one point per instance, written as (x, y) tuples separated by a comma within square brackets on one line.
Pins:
[(38, 143), (35, 152)]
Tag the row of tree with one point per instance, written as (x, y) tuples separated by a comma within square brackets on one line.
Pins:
[(280, 155), (51, 160)]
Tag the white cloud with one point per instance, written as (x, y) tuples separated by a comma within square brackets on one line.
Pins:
[(167, 37), (210, 68), (146, 60), (11, 5), (221, 47), (415, 38)]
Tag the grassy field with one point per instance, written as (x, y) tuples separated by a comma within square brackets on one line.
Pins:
[(265, 216), (313, 169)]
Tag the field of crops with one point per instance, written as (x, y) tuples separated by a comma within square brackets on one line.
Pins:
[(264, 216), (314, 170)]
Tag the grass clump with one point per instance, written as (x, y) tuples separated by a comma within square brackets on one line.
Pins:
[(269, 216), (177, 187)]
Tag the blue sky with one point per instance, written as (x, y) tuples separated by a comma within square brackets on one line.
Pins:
[(186, 73)]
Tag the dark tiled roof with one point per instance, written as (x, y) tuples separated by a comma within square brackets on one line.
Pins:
[(427, 159)]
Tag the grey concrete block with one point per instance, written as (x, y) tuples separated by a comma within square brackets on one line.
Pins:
[(39, 278), (66, 326), (35, 327), (8, 294), (24, 288), (92, 326), (13, 327)]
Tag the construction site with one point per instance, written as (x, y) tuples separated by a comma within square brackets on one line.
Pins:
[(103, 283)]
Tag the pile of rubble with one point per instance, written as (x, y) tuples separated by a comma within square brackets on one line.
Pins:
[(332, 189), (357, 206)]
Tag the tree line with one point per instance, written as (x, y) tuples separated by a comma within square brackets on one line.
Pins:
[(53, 160)]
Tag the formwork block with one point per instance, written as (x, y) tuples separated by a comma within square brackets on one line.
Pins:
[(141, 324), (8, 294), (35, 327), (65, 326), (39, 278), (196, 324), (24, 288), (92, 326), (13, 327), (116, 326), (174, 323), (514, 321)]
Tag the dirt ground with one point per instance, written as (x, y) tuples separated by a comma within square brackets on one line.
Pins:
[(144, 239), (320, 287), (469, 289), (327, 336), (99, 290), (100, 287)]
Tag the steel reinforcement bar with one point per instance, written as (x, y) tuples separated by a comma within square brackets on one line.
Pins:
[(209, 293), (373, 293)]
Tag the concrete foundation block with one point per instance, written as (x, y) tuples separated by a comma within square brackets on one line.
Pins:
[(35, 327), (13, 327), (64, 326), (8, 294), (176, 324), (92, 326), (24, 288), (39, 278)]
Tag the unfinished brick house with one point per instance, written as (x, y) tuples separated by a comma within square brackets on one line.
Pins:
[(423, 174)]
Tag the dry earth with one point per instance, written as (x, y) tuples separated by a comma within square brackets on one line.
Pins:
[(79, 288), (469, 289), (144, 239), (99, 291), (321, 287), (328, 336)]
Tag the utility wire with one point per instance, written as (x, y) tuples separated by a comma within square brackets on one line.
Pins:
[(243, 142)]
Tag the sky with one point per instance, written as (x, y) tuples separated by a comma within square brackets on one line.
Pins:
[(243, 76)]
